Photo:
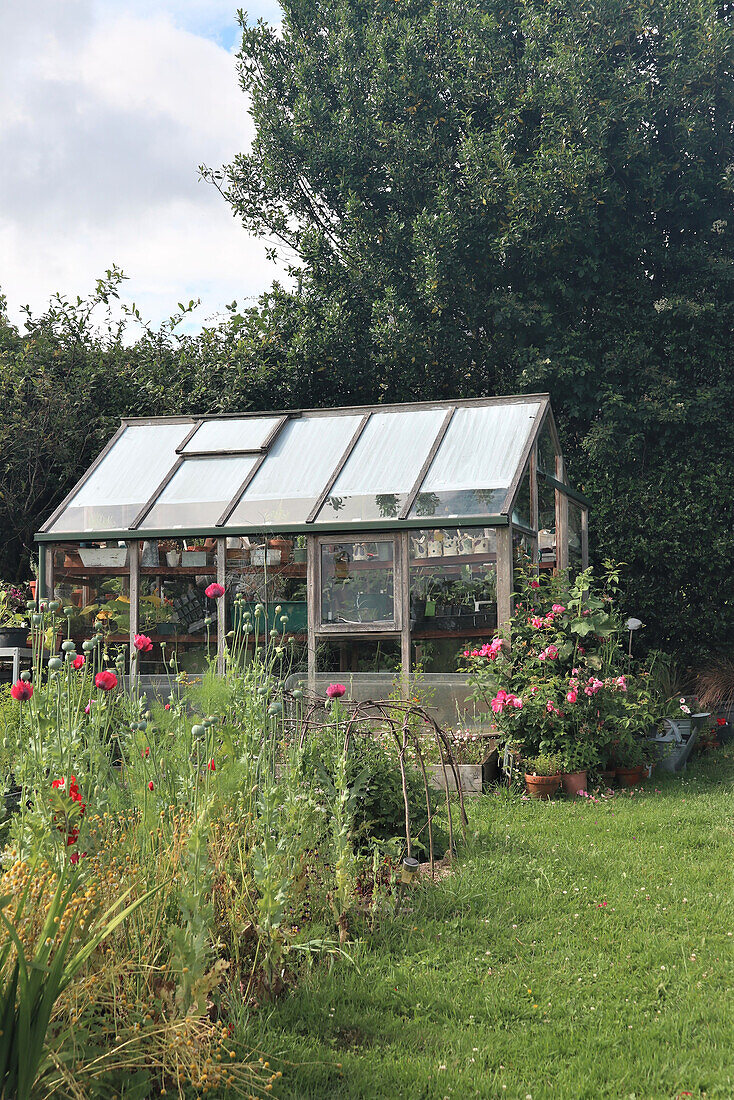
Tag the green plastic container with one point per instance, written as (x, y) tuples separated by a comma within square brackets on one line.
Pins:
[(294, 609)]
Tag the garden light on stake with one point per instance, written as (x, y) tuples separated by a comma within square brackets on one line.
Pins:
[(410, 870), (632, 625)]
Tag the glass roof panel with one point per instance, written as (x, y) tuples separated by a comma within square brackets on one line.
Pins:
[(198, 492), (241, 434), (125, 479), (476, 461), (296, 471), (382, 468)]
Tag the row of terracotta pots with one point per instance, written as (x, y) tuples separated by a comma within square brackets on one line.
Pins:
[(545, 786)]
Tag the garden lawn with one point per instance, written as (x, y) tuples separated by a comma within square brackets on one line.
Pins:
[(582, 949)]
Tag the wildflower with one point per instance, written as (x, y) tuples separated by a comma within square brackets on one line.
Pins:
[(151, 785), (142, 643), (21, 690), (214, 591), (335, 691), (105, 680), (78, 662), (167, 706), (212, 766), (145, 753)]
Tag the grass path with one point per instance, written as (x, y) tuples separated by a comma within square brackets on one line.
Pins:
[(582, 950)]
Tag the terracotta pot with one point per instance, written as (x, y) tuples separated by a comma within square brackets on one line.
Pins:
[(631, 777), (573, 782), (33, 585), (542, 786)]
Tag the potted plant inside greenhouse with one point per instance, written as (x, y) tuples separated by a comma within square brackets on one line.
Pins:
[(14, 623)]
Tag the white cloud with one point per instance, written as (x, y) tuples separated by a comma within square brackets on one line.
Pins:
[(105, 115)]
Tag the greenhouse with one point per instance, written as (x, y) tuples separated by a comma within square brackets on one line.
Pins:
[(376, 537)]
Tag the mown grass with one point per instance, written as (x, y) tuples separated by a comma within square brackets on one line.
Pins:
[(582, 949)]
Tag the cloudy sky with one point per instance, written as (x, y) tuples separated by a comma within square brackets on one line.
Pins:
[(107, 107)]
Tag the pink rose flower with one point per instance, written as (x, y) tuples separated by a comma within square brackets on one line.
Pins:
[(572, 696), (558, 608)]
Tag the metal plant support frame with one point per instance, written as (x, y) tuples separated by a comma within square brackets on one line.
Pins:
[(368, 719)]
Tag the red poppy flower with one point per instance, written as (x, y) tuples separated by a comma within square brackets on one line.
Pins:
[(142, 643), (105, 680), (78, 662), (212, 766), (721, 721), (151, 785), (21, 690), (214, 591)]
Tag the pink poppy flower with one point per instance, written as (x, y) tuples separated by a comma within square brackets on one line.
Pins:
[(79, 661), (142, 643), (214, 591), (21, 690), (335, 691)]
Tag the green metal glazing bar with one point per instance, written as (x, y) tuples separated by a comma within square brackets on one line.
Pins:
[(286, 529), (563, 488)]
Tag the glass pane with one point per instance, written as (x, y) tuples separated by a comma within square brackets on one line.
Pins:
[(453, 583), (125, 479), (574, 536), (198, 493), (93, 582), (476, 461), (173, 606), (358, 582), (521, 507), (232, 435), (546, 524), (270, 571), (294, 474), (546, 451), (382, 468), (524, 554)]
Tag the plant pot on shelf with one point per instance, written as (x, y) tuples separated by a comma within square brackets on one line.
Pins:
[(299, 554), (573, 782), (632, 776), (13, 637), (173, 558), (71, 559), (284, 546), (33, 585), (115, 557), (542, 786)]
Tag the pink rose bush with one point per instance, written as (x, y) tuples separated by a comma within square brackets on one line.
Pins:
[(549, 693)]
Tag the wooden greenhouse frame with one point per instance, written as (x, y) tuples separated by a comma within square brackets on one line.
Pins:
[(236, 453)]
